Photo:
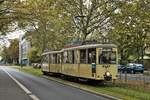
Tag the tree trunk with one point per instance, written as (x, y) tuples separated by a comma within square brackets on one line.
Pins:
[(121, 56), (143, 52), (138, 51)]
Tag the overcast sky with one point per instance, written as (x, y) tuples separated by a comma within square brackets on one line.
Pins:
[(12, 35)]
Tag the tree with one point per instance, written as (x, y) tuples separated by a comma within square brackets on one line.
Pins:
[(7, 17), (131, 28), (47, 30), (34, 55), (14, 51), (5, 55), (90, 17), (11, 54), (53, 23)]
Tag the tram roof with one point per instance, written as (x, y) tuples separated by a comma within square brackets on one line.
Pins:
[(92, 46), (52, 52), (83, 47)]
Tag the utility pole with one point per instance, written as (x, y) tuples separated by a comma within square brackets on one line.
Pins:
[(21, 56)]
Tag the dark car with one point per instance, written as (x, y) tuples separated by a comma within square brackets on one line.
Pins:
[(120, 67), (133, 68), (139, 68)]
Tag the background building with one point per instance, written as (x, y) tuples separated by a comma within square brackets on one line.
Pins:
[(24, 47)]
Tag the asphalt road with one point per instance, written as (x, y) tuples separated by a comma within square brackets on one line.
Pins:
[(9, 90), (44, 89)]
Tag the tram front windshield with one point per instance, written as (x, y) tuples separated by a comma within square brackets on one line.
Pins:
[(107, 56)]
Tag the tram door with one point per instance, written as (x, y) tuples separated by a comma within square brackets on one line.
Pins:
[(88, 62), (92, 59)]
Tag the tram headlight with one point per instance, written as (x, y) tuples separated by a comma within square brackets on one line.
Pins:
[(108, 74)]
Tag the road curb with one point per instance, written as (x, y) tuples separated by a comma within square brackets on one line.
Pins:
[(84, 89)]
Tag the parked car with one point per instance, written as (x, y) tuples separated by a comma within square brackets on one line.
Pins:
[(139, 68), (36, 65), (120, 67), (39, 65), (133, 68)]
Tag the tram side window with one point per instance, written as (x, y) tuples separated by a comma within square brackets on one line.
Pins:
[(45, 60), (65, 57), (69, 57), (54, 59), (107, 57), (91, 55), (83, 56), (58, 58)]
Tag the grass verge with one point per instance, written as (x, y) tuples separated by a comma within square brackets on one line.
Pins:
[(118, 92)]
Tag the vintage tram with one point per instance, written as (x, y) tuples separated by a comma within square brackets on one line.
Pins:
[(91, 61)]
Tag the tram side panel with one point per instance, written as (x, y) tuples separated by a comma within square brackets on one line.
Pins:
[(85, 71), (70, 65), (70, 69), (55, 63), (55, 68)]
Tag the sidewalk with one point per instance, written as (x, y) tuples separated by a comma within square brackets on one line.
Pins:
[(9, 90)]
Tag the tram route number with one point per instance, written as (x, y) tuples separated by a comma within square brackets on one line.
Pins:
[(106, 66)]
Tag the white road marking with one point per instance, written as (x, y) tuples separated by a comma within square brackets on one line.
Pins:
[(34, 97), (27, 91)]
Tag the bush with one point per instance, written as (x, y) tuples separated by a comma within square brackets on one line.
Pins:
[(34, 55)]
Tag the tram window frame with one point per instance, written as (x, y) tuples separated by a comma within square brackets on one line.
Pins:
[(83, 56), (58, 58), (51, 59), (65, 57), (108, 59), (54, 58), (75, 57), (91, 59), (69, 57)]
